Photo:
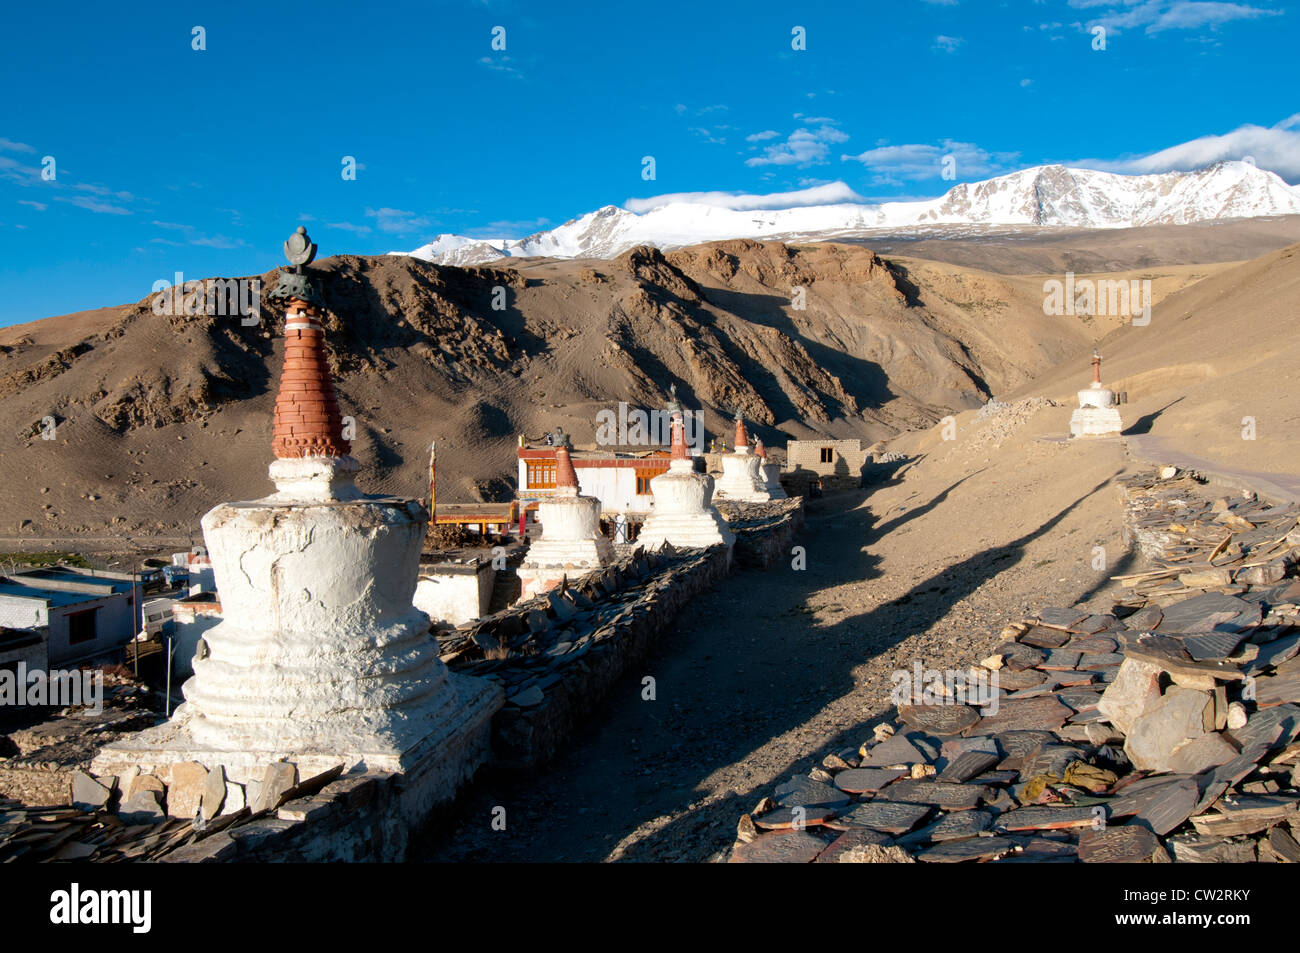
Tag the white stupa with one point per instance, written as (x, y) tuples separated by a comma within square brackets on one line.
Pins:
[(1096, 415), (741, 478), (683, 513), (571, 544), (320, 656), (770, 472)]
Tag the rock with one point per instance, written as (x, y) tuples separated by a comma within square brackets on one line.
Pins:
[(867, 780), (278, 778), (804, 792), (1200, 754), (857, 837), (1180, 716), (890, 817), (234, 801), (1195, 849), (1046, 713), (882, 732), (186, 791), (529, 698), (1236, 715), (145, 782), (87, 793), (1131, 844), (874, 854), (779, 847), (142, 808), (746, 831), (214, 793), (939, 719)]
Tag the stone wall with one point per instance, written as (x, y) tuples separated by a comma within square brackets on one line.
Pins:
[(844, 471)]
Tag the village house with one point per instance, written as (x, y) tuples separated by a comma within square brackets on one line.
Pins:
[(82, 615), (837, 464)]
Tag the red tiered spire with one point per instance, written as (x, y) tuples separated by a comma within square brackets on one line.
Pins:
[(742, 438), (307, 419), (678, 427), (565, 476), (1096, 367), (760, 450)]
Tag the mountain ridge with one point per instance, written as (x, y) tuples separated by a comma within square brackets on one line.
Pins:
[(1053, 196)]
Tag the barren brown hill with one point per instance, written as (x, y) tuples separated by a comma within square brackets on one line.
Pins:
[(160, 417)]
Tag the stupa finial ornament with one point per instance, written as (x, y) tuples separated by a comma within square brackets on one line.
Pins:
[(298, 282), (673, 406)]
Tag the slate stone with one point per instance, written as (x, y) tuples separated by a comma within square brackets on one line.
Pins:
[(1094, 663), (857, 837), (958, 825), (1279, 688), (1061, 618), (1212, 645), (897, 749), (1096, 623), (1172, 656), (780, 847), (968, 764), (1135, 690), (277, 778), (867, 780), (794, 818), (1080, 699), (976, 848), (1274, 653), (1192, 848), (1201, 754), (1162, 803), (1050, 759), (1180, 716), (530, 697), (1093, 645), (1246, 814), (939, 719), (1018, 744), (1036, 818), (1145, 619), (1040, 637), (1060, 660), (1284, 845), (944, 794), (185, 793), (1018, 656), (87, 793), (1041, 850), (142, 808), (1207, 613), (891, 817), (805, 792), (1015, 681), (1046, 714), (1130, 844)]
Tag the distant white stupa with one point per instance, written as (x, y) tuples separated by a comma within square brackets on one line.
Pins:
[(1097, 415)]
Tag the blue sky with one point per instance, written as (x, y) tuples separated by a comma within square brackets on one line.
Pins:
[(169, 159)]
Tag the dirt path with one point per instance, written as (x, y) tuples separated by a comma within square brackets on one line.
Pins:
[(775, 669)]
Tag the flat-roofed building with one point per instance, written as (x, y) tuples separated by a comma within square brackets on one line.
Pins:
[(86, 615)]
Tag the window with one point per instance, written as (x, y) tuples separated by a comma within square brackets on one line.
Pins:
[(828, 454), (541, 474), (81, 626), (643, 478)]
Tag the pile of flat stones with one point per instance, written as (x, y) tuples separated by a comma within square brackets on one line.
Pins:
[(1164, 730), (139, 817), (528, 648)]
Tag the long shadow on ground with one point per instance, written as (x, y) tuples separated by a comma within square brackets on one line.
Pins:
[(742, 669)]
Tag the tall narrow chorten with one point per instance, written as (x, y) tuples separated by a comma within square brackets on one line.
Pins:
[(741, 479), (769, 472), (571, 544), (321, 656), (1096, 415), (683, 513)]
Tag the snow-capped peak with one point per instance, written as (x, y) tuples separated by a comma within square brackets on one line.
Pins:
[(1046, 196)]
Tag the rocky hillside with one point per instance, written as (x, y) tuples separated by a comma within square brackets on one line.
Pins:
[(157, 418)]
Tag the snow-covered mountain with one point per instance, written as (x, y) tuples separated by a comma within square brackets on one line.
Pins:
[(1045, 196)]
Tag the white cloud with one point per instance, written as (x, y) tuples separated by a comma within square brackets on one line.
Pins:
[(828, 194), (1157, 16), (39, 206), (947, 44), (803, 147), (1275, 148), (396, 220), (762, 136), (919, 161)]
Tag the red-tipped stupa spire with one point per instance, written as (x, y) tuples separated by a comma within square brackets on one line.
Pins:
[(307, 419), (742, 438), (678, 427)]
